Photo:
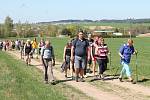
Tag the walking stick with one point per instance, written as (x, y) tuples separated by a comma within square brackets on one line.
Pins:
[(110, 59)]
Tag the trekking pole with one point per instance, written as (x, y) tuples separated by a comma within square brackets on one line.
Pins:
[(136, 67), (110, 59)]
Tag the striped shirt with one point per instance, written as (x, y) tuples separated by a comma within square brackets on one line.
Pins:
[(102, 52)]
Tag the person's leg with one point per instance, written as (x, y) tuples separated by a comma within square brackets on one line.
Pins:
[(66, 71), (77, 66), (72, 70), (85, 69), (122, 71), (83, 65), (36, 53), (94, 66), (128, 71), (100, 67), (50, 71), (77, 74), (45, 70), (27, 58), (39, 51), (89, 65)]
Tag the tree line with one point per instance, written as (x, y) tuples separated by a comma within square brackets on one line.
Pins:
[(11, 29)]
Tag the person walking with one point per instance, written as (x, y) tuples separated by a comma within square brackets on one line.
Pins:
[(66, 57), (47, 54), (79, 52), (28, 52), (101, 56), (125, 53)]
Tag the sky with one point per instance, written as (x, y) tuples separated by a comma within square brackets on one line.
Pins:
[(52, 10)]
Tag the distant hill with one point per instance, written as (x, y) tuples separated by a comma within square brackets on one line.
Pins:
[(146, 20)]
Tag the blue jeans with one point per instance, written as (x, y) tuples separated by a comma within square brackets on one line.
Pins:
[(125, 69)]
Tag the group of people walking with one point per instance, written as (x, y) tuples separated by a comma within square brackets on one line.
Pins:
[(80, 56)]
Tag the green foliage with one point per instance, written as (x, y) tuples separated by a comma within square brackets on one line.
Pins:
[(8, 26)]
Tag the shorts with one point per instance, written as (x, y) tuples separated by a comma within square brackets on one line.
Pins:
[(80, 62)]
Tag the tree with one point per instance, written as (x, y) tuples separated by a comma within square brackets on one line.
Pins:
[(52, 30), (65, 31), (8, 25)]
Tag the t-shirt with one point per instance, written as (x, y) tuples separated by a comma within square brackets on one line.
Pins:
[(102, 52), (47, 53), (126, 51), (68, 52), (80, 47)]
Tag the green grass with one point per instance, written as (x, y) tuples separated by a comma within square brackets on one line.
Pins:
[(19, 82)]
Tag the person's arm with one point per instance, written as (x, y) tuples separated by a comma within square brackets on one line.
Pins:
[(91, 52), (121, 55), (24, 49), (64, 53), (121, 52), (72, 53)]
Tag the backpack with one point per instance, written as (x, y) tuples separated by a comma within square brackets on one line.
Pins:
[(50, 48)]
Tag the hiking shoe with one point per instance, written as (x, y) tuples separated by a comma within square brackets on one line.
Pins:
[(102, 77), (120, 79), (133, 82), (53, 82), (72, 77), (85, 76), (66, 76)]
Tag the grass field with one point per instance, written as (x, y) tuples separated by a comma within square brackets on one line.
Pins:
[(18, 82)]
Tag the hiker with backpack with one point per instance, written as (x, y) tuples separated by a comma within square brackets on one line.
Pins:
[(125, 53), (101, 53), (47, 54), (66, 58), (28, 52), (79, 52)]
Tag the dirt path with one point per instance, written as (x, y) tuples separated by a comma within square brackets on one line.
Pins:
[(84, 87), (137, 92)]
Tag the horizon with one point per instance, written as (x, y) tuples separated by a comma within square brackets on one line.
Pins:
[(54, 10)]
